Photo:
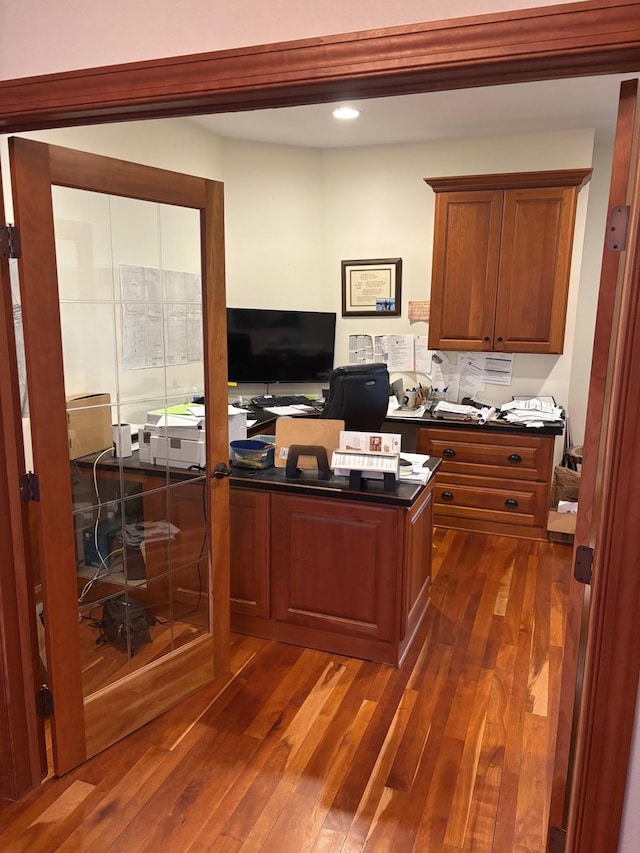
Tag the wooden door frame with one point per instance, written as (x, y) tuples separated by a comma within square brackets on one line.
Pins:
[(572, 40), (22, 758), (83, 726)]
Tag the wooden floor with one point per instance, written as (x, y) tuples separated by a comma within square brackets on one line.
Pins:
[(308, 751)]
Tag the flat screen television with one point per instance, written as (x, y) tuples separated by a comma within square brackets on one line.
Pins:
[(266, 345)]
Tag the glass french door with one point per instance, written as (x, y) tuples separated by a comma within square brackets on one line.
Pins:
[(122, 289)]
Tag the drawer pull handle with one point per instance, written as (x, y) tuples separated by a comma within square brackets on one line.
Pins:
[(448, 451), (447, 496), (512, 502), (514, 457)]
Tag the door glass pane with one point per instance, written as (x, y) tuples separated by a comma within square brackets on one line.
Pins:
[(131, 322)]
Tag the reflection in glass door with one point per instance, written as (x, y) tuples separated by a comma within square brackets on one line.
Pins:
[(131, 321)]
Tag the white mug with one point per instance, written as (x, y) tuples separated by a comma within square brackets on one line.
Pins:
[(410, 399)]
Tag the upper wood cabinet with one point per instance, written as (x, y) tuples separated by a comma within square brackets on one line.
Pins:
[(501, 260)]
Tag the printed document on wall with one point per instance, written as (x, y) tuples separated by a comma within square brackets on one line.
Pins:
[(423, 355), (360, 349), (498, 368), (401, 355)]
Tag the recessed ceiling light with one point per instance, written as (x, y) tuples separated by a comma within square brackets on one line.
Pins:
[(346, 113)]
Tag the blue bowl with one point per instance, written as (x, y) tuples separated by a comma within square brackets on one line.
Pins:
[(252, 453)]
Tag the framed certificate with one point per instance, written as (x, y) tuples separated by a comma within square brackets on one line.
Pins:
[(371, 287)]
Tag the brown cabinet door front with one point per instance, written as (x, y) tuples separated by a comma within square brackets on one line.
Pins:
[(465, 270), (335, 565), (250, 559), (533, 278)]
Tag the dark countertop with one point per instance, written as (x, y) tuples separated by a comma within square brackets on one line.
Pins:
[(268, 419), (270, 478), (334, 488), (428, 420)]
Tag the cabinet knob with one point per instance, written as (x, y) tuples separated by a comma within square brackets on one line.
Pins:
[(449, 451), (511, 502), (514, 457), (446, 496), (487, 338), (500, 338)]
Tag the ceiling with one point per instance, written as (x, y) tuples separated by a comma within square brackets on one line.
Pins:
[(519, 108)]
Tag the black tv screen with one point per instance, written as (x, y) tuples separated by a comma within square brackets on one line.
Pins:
[(265, 345)]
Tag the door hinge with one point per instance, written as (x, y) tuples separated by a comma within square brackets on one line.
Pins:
[(618, 228), (583, 568), (9, 241), (44, 702), (557, 840), (29, 487)]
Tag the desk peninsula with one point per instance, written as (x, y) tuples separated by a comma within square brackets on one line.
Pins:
[(316, 564)]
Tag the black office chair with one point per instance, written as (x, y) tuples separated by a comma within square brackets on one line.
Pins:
[(359, 395)]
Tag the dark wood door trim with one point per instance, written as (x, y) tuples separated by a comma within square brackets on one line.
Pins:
[(568, 40), (22, 753), (612, 664), (596, 430), (572, 40)]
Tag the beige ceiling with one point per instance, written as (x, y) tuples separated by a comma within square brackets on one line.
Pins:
[(588, 102)]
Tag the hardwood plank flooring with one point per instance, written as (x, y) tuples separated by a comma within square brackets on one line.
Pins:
[(307, 751)]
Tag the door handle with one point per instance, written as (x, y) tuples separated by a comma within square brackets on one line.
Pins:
[(221, 470)]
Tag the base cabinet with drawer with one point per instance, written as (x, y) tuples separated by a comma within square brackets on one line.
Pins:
[(344, 576), (493, 480)]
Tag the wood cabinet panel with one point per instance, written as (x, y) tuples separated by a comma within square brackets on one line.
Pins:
[(418, 566), (344, 576), (515, 502), (501, 260), (481, 485), (535, 261), (336, 565), (250, 546), (521, 457), (465, 269)]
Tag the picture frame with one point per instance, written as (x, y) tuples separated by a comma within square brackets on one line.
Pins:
[(372, 288)]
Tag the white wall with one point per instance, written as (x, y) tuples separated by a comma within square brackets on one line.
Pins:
[(69, 34), (274, 229), (377, 205), (292, 215)]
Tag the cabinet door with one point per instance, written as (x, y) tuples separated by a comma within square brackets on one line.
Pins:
[(533, 279), (335, 566), (250, 544), (465, 270)]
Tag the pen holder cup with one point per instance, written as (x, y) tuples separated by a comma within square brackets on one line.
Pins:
[(252, 453)]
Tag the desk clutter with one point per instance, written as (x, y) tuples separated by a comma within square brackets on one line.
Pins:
[(175, 436), (369, 455)]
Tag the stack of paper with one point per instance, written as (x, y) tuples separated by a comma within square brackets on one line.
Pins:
[(149, 531), (455, 411), (417, 473), (532, 413)]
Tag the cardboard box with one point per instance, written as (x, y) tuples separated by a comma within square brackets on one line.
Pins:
[(89, 428), (561, 527)]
